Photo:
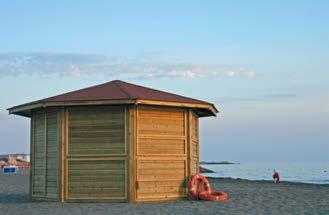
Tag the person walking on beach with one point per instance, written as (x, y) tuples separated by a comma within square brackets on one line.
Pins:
[(276, 176)]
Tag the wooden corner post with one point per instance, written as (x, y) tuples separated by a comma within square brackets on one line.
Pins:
[(132, 151), (31, 157)]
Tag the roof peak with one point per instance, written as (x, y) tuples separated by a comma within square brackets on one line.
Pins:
[(117, 83)]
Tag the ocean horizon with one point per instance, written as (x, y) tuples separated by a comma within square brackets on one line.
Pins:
[(302, 172)]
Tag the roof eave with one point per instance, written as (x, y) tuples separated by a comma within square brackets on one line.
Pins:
[(211, 109), (25, 109)]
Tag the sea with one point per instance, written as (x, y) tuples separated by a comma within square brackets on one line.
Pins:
[(313, 172)]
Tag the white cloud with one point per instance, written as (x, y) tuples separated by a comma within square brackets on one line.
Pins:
[(231, 74), (76, 64), (251, 75), (75, 71), (185, 74)]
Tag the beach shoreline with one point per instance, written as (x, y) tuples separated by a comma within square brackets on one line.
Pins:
[(245, 197), (265, 181), (297, 172)]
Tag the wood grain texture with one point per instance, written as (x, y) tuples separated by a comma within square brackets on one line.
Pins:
[(194, 143), (161, 160), (93, 179), (31, 157), (160, 122), (132, 137), (98, 131), (62, 153), (45, 168), (52, 154), (161, 146), (119, 153), (96, 157), (160, 178), (39, 145)]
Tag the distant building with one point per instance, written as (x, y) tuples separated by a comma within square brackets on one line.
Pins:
[(22, 157), (4, 157), (17, 157)]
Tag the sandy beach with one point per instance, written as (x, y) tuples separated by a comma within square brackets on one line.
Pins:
[(246, 197)]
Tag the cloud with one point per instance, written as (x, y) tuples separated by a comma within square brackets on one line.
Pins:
[(258, 98), (140, 67), (231, 74), (21, 58), (251, 74), (185, 74)]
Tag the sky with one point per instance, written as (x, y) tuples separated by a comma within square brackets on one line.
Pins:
[(264, 64)]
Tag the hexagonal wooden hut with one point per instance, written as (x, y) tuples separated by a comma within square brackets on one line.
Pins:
[(115, 141)]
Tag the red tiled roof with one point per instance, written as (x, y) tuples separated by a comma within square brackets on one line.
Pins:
[(120, 90)]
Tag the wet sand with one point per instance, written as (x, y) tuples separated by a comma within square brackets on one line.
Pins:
[(246, 197)]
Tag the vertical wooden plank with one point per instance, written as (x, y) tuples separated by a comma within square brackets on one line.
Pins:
[(126, 139), (65, 153), (189, 133), (45, 155), (198, 141), (135, 143), (126, 180), (125, 130), (194, 142), (61, 153), (130, 156), (132, 146), (31, 156), (66, 132), (198, 146), (187, 147)]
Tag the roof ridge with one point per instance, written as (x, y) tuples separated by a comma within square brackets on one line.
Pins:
[(115, 82)]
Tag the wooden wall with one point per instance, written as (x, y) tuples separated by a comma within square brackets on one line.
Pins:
[(45, 143), (96, 153), (194, 142), (161, 153), (119, 153)]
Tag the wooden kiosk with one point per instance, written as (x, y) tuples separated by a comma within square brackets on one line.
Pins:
[(113, 142)]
